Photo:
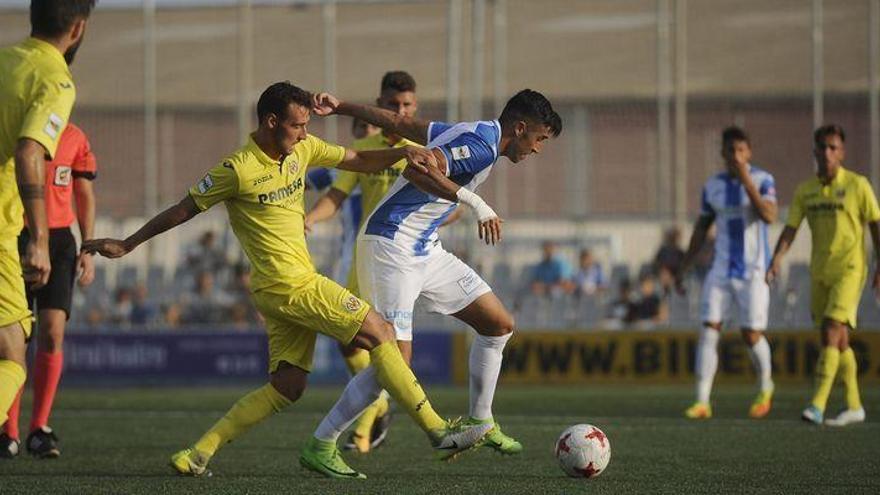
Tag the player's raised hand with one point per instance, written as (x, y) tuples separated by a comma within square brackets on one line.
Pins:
[(773, 271), (490, 230), (108, 248), (85, 265), (324, 104), (420, 158), (35, 265)]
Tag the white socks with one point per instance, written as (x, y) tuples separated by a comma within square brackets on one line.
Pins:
[(760, 354), (707, 362), (360, 392), (484, 365)]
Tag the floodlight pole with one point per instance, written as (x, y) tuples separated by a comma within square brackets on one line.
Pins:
[(663, 192), (329, 16), (499, 90), (818, 65), (681, 141), (874, 89), (245, 67), (453, 59), (151, 174)]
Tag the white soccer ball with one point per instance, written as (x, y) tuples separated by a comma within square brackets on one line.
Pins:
[(583, 451)]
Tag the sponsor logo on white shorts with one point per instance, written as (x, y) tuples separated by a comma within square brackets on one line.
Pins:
[(402, 320), (205, 184), (469, 282)]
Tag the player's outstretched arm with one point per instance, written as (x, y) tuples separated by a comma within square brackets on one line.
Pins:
[(698, 238), (874, 228), (437, 183), (168, 219), (30, 176), (411, 128), (782, 247), (325, 208), (378, 160)]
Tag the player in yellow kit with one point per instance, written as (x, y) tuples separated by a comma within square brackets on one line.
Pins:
[(262, 187), (36, 97), (837, 204)]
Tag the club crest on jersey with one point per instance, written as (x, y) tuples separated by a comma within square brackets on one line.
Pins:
[(460, 152), (352, 304), (840, 193), (293, 167), (206, 184)]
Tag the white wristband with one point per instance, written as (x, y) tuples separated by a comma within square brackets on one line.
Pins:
[(484, 211)]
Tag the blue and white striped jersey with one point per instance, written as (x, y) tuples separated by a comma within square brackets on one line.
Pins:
[(742, 248), (321, 178), (410, 217)]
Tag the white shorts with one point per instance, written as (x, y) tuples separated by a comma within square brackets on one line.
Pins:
[(750, 297), (391, 279)]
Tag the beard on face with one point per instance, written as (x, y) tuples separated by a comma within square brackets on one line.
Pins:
[(70, 54)]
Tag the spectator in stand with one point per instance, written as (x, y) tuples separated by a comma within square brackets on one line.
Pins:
[(207, 304), (240, 291), (120, 311), (206, 256), (143, 311), (552, 276), (590, 278), (171, 315), (619, 309), (649, 309), (668, 259)]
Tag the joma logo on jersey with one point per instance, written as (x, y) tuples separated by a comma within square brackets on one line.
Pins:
[(265, 178), (281, 193)]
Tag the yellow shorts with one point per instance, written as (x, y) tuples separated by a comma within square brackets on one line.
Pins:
[(295, 314), (13, 303), (837, 299)]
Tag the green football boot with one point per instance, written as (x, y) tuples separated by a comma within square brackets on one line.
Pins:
[(323, 457), (496, 439)]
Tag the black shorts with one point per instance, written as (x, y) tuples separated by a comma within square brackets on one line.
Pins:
[(58, 292)]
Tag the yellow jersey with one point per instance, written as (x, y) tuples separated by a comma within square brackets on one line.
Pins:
[(264, 200), (837, 213), (374, 185), (36, 97)]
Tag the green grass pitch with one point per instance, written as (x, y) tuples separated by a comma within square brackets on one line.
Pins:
[(119, 441)]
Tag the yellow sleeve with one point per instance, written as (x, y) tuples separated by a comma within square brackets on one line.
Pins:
[(868, 202), (324, 154), (48, 113), (346, 181), (796, 210), (219, 184)]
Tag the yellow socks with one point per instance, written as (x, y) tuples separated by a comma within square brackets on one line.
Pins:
[(849, 374), (398, 379), (248, 411), (357, 361), (826, 369), (364, 425), (12, 377)]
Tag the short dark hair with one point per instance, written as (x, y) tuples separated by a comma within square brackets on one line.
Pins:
[(54, 17), (828, 130), (278, 96), (734, 133), (398, 80), (533, 106)]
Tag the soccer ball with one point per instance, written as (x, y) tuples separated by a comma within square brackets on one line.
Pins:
[(583, 451)]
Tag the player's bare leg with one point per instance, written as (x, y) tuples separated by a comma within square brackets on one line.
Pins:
[(705, 367), (494, 326), (12, 372), (759, 352)]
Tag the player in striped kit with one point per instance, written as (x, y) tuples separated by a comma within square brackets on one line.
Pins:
[(400, 257), (741, 202)]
